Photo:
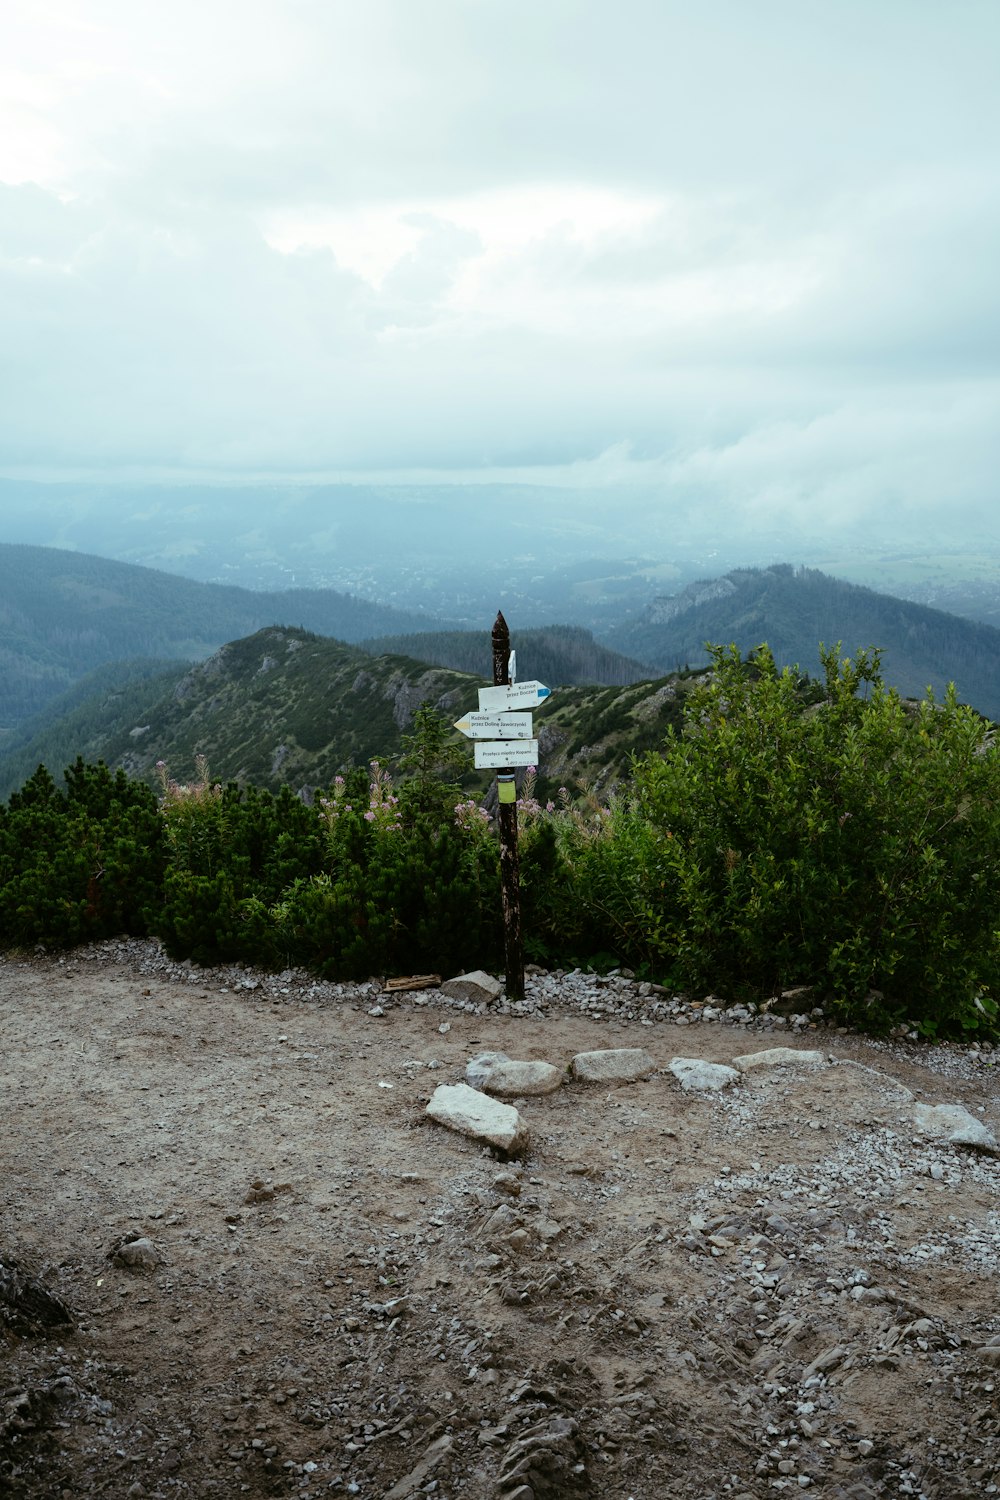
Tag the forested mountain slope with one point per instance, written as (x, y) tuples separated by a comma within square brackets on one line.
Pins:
[(553, 654), (286, 707), (793, 609), (62, 614)]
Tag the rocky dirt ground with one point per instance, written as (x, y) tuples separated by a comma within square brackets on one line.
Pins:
[(784, 1286)]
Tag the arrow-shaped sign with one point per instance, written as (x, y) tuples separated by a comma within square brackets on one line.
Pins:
[(495, 726), (516, 695), (492, 753)]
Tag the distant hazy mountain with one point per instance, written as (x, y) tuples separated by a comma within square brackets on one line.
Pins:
[(62, 614), (553, 654), (793, 609)]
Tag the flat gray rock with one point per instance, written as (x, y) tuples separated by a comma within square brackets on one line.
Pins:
[(954, 1124), (779, 1057), (496, 1073), (471, 1113), (615, 1065), (695, 1073), (478, 986)]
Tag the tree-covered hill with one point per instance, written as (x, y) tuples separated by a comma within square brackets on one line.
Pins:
[(286, 707), (98, 710), (62, 614), (553, 654), (793, 609)]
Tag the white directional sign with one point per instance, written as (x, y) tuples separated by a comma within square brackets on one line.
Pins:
[(492, 753), (499, 700), (495, 726)]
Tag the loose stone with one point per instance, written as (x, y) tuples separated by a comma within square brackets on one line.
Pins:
[(496, 1073), (613, 1065), (471, 1113), (694, 1073), (137, 1255), (779, 1057), (955, 1124), (477, 985)]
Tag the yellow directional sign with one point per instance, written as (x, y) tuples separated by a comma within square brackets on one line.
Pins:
[(495, 726)]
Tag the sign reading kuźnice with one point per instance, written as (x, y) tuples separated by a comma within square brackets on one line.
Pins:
[(497, 726), (512, 695)]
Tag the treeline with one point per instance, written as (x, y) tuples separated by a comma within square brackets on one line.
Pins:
[(825, 834)]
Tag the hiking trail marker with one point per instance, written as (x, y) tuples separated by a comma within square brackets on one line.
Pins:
[(505, 753), (505, 739), (498, 726), (505, 696)]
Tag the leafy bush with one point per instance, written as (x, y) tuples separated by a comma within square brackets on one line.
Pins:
[(854, 845)]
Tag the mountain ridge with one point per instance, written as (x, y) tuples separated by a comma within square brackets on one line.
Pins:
[(794, 609), (63, 614)]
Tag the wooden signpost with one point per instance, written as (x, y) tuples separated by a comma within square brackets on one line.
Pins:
[(505, 739)]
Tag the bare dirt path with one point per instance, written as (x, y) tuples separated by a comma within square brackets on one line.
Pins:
[(783, 1286)]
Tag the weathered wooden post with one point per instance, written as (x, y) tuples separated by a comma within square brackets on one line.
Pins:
[(510, 882), (503, 740)]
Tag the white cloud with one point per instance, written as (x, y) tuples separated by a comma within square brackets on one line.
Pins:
[(734, 255)]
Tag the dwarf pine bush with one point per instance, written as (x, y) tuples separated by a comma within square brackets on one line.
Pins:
[(79, 864), (233, 851)]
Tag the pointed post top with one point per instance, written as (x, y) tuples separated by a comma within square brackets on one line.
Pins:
[(501, 651)]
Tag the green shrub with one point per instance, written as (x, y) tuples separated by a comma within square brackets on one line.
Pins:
[(854, 845), (233, 851), (79, 865), (390, 903), (364, 883)]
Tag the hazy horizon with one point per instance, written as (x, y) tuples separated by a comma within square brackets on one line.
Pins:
[(739, 259)]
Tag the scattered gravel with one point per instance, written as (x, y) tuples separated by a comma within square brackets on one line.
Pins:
[(784, 1286)]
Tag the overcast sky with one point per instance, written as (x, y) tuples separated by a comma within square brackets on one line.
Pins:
[(745, 250)]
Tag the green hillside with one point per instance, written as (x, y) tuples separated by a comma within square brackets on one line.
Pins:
[(553, 654), (101, 708), (62, 614), (286, 707), (793, 609)]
